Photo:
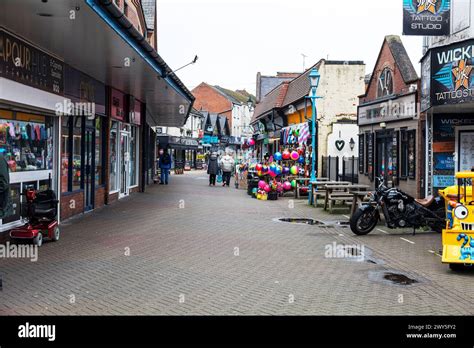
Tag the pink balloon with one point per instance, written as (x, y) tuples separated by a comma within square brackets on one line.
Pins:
[(252, 142), (272, 174), (295, 155), (287, 186), (261, 184), (267, 188)]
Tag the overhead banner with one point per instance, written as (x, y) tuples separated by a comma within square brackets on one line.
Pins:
[(426, 17), (451, 74)]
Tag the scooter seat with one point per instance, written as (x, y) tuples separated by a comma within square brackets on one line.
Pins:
[(425, 202)]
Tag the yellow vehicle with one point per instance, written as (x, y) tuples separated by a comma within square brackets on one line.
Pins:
[(458, 237)]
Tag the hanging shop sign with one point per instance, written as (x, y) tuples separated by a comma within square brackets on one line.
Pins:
[(426, 17), (425, 83), (401, 108), (26, 64), (210, 139), (117, 105), (451, 78)]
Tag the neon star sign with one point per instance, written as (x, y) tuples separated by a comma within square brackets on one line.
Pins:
[(462, 73), (427, 6)]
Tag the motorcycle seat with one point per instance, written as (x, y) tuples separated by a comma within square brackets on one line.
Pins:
[(425, 202)]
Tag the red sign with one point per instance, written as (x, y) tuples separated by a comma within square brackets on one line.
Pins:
[(117, 105), (136, 114)]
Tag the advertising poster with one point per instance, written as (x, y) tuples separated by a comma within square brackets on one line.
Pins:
[(426, 17)]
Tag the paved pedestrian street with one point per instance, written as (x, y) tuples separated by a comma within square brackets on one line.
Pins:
[(191, 249)]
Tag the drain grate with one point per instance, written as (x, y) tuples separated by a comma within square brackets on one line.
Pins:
[(399, 279), (302, 221)]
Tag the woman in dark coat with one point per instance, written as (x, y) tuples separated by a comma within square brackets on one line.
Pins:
[(213, 168)]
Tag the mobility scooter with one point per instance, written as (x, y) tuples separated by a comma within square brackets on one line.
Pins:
[(39, 210), (458, 236)]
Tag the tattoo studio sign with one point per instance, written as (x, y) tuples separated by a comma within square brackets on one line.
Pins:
[(426, 17), (452, 79)]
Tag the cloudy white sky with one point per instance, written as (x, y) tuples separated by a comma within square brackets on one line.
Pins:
[(235, 39)]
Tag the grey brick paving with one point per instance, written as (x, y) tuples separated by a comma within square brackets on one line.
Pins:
[(190, 252)]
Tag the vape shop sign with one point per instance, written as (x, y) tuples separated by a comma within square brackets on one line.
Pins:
[(426, 17), (26, 64)]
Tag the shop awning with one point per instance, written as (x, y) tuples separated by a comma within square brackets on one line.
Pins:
[(97, 43), (180, 143)]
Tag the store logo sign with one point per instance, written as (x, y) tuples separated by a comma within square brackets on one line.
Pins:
[(426, 17), (452, 68)]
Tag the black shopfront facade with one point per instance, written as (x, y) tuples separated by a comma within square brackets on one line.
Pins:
[(448, 100), (389, 139)]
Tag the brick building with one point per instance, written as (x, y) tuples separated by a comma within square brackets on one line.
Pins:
[(390, 127), (236, 106), (87, 120)]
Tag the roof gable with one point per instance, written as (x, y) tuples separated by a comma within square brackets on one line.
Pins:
[(402, 61)]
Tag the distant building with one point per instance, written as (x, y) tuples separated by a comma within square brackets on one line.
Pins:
[(236, 106), (267, 83)]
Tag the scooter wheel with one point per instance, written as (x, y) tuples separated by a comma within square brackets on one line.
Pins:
[(56, 234), (38, 240)]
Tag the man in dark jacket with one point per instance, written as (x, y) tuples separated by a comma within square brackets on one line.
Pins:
[(6, 206), (165, 166), (213, 168)]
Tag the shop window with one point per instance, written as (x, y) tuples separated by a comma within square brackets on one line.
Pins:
[(407, 154), (385, 83), (133, 156), (65, 153), (76, 152), (113, 156), (99, 148), (26, 143)]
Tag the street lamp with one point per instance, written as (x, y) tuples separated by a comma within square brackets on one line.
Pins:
[(352, 144), (314, 78)]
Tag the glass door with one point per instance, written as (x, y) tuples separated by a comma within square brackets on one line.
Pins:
[(384, 156), (124, 164), (89, 170)]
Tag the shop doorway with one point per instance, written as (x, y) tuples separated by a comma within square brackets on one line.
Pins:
[(384, 159), (124, 164), (89, 168)]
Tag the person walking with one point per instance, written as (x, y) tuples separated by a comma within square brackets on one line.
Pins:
[(227, 166), (165, 166), (213, 168)]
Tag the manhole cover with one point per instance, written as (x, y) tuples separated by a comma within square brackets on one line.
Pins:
[(301, 221), (400, 279)]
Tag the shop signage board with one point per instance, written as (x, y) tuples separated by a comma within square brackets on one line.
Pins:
[(400, 108), (451, 79), (426, 17), (80, 87), (117, 105), (443, 148), (209, 139), (26, 64), (466, 150)]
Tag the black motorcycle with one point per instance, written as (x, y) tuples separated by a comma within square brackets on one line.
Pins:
[(400, 211)]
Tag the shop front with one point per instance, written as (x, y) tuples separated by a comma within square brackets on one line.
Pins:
[(388, 141), (83, 144), (448, 98), (29, 127), (124, 145)]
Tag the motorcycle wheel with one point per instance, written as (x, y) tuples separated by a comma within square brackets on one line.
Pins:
[(364, 221)]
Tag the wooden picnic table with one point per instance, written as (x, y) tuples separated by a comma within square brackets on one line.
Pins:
[(358, 196), (321, 186), (344, 193)]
